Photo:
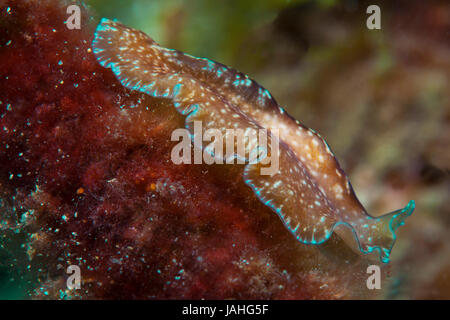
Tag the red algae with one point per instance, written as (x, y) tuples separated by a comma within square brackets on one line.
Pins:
[(86, 179)]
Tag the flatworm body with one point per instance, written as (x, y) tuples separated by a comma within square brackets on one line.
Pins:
[(309, 192)]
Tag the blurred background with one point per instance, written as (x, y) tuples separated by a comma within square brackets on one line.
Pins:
[(379, 97)]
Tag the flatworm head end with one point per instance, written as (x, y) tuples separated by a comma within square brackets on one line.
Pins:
[(379, 233)]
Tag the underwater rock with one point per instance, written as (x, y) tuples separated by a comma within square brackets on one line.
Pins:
[(86, 179)]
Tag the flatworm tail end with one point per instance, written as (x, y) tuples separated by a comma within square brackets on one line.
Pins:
[(380, 233), (132, 55)]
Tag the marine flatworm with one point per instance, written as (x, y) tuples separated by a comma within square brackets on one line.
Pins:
[(309, 192)]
